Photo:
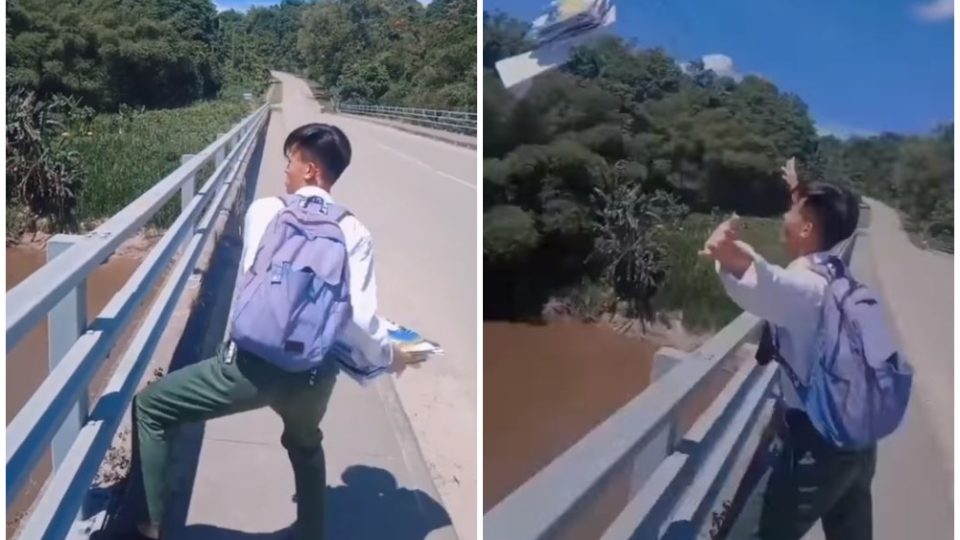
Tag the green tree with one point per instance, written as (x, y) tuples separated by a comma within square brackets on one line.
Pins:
[(393, 52)]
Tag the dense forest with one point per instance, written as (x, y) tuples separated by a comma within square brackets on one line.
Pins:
[(169, 53), (80, 71), (151, 53), (394, 51), (589, 176)]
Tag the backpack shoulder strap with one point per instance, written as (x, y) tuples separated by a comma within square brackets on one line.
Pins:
[(831, 268), (337, 212), (288, 200)]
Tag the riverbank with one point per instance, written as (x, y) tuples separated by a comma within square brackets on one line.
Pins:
[(688, 295), (135, 247)]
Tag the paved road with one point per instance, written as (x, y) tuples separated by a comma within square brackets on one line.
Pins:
[(918, 287), (418, 198), (913, 488)]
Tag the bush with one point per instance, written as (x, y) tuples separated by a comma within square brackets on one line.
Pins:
[(630, 228), (691, 285), (124, 155), (509, 235), (44, 174)]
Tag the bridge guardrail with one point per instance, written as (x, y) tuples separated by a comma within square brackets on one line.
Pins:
[(458, 121), (56, 414), (636, 475)]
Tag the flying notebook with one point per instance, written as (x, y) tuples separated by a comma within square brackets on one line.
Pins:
[(567, 25)]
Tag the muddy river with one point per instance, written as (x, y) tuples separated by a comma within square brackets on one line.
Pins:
[(546, 386)]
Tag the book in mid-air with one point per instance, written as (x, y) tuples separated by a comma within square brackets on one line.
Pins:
[(567, 25)]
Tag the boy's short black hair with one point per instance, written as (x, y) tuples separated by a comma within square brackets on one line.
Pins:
[(323, 143), (835, 209)]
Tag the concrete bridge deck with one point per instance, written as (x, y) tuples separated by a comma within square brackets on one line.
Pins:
[(401, 453)]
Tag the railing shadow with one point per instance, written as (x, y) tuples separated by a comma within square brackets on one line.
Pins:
[(202, 335), (368, 506)]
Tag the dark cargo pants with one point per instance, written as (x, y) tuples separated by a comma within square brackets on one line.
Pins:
[(219, 387), (812, 480)]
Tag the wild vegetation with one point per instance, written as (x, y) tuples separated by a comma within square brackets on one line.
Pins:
[(604, 178)]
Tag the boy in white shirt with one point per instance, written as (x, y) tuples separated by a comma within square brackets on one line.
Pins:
[(317, 155), (811, 480)]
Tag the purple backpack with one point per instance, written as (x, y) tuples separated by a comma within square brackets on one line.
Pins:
[(859, 383), (292, 304)]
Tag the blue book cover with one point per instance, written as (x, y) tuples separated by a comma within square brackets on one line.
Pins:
[(412, 342)]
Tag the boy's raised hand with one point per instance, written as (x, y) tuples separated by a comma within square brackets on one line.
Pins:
[(789, 174), (724, 246), (726, 233)]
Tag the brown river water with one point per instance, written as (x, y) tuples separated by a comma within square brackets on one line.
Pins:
[(546, 386), (27, 364)]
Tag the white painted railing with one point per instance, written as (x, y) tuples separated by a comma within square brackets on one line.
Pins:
[(57, 414), (458, 121)]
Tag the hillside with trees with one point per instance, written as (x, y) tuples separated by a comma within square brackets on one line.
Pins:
[(151, 53), (80, 73), (590, 175), (393, 52)]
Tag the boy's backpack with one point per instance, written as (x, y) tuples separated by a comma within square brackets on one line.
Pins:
[(292, 304), (859, 384)]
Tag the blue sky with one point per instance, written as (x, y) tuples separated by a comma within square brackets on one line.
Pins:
[(863, 66)]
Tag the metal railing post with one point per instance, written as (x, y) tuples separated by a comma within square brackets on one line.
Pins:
[(66, 322), (221, 153), (189, 187)]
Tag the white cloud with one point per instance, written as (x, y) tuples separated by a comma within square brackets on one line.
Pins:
[(720, 64), (935, 10)]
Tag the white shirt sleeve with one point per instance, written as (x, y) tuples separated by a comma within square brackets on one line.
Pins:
[(255, 224), (366, 334), (779, 295)]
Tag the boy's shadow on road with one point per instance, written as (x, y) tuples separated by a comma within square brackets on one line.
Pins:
[(370, 505)]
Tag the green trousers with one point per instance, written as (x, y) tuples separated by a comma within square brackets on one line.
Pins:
[(812, 480), (221, 386)]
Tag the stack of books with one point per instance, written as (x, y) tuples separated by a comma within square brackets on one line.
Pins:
[(568, 24), (412, 343), (570, 18)]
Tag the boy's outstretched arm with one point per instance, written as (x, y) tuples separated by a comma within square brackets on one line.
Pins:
[(766, 290)]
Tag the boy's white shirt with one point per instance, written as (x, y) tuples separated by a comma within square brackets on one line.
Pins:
[(366, 334), (790, 298)]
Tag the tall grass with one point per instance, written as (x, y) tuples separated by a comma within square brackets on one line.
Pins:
[(125, 154), (692, 286)]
